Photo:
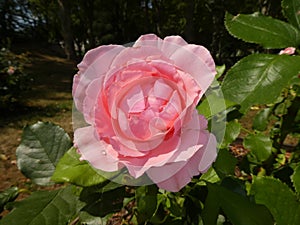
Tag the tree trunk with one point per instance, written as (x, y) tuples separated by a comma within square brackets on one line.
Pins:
[(66, 31)]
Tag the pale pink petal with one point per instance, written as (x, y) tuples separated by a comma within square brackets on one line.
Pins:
[(94, 65), (172, 109), (191, 168), (129, 54), (195, 155), (132, 70), (177, 182), (76, 80), (157, 157), (171, 44), (209, 154), (191, 142), (135, 99), (148, 40), (99, 154), (105, 53), (196, 61), (102, 121), (138, 146), (183, 82), (162, 90), (192, 90), (117, 97), (90, 100), (166, 69)]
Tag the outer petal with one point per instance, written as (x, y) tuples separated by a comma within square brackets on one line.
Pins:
[(94, 65), (104, 52), (90, 100), (140, 52), (206, 156), (148, 40), (197, 61), (101, 155), (195, 154), (171, 44)]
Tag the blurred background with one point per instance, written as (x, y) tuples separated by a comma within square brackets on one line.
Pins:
[(78, 25)]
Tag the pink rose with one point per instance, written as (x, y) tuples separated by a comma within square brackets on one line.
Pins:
[(11, 70), (140, 106), (288, 51)]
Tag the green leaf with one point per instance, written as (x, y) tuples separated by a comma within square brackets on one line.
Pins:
[(160, 216), (73, 170), (248, 80), (44, 207), (88, 219), (260, 121), (296, 179), (42, 145), (278, 198), (210, 176), (214, 102), (291, 10), (175, 204), (146, 198), (220, 70), (8, 195), (211, 207), (215, 108), (232, 131), (260, 146), (225, 163), (238, 208), (100, 202), (263, 30)]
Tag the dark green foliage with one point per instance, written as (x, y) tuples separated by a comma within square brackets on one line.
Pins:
[(7, 196), (44, 207)]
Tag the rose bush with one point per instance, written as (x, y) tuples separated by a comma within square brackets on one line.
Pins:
[(140, 106)]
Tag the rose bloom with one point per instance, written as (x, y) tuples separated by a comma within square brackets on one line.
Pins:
[(287, 51), (11, 70), (140, 106)]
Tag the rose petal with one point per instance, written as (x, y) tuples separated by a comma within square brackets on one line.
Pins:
[(176, 182), (157, 157), (209, 153), (148, 40), (101, 155), (191, 168), (288, 51), (195, 154), (94, 65), (197, 61), (90, 100), (171, 44), (141, 52), (161, 89), (106, 53)]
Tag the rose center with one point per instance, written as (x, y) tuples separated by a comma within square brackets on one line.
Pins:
[(147, 123)]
